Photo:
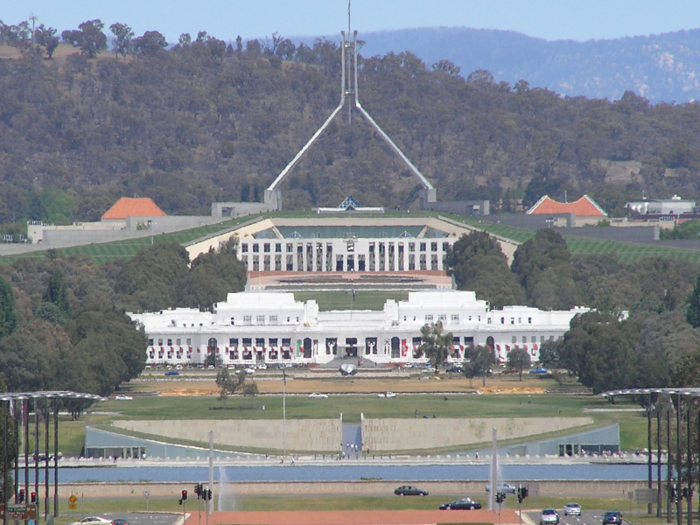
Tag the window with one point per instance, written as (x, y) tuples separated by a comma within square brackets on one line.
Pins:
[(233, 320), (247, 318), (445, 246), (150, 342), (520, 320), (411, 246), (178, 342), (428, 318), (266, 247), (529, 320), (256, 248), (244, 247), (524, 339), (290, 247), (272, 342), (433, 246), (259, 341), (273, 319), (503, 320), (454, 318), (404, 318), (515, 339), (286, 342), (233, 341), (288, 320), (470, 318), (260, 319), (160, 342), (170, 342), (297, 319), (442, 318), (541, 339), (278, 248), (189, 342), (422, 246), (533, 339), (488, 321), (512, 320)]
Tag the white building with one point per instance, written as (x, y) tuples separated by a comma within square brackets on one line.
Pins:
[(253, 327)]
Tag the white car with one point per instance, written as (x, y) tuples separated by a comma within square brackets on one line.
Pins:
[(249, 371), (428, 371), (572, 509), (387, 395), (262, 366), (178, 367), (123, 398), (93, 520), (317, 395)]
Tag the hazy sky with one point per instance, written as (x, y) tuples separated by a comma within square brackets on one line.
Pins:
[(225, 19)]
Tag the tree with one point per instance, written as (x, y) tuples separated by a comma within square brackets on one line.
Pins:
[(150, 43), (88, 37), (481, 359), (434, 344), (229, 385), (549, 355), (8, 316), (478, 264), (692, 314), (46, 38), (519, 359), (122, 41), (57, 293)]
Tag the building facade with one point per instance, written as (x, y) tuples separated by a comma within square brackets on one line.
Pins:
[(252, 328)]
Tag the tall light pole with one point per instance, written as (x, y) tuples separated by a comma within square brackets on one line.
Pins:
[(284, 411)]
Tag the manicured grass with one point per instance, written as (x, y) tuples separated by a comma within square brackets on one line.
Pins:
[(343, 300)]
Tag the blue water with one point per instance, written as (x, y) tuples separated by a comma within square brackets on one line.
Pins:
[(354, 473)]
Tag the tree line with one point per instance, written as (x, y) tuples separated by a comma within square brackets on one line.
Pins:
[(643, 330), (62, 319), (204, 120)]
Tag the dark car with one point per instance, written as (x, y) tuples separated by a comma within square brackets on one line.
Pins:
[(461, 504), (410, 490), (613, 517), (120, 521), (172, 373)]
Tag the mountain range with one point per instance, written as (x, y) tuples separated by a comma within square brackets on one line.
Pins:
[(660, 68)]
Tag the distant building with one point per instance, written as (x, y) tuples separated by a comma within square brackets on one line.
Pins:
[(253, 328), (672, 206), (582, 212), (136, 207)]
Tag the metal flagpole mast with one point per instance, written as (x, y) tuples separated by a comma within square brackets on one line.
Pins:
[(284, 412)]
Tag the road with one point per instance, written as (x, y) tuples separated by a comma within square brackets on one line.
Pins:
[(588, 517), (145, 518)]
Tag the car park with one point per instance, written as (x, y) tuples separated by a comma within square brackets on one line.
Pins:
[(93, 520), (318, 395), (461, 504), (612, 517), (410, 490), (572, 509), (506, 488), (549, 517)]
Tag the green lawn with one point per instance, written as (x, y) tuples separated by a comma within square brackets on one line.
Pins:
[(343, 300)]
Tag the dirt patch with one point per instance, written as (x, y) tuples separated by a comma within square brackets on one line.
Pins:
[(345, 385)]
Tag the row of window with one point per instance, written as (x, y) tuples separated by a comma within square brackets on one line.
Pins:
[(169, 342), (260, 319), (267, 247)]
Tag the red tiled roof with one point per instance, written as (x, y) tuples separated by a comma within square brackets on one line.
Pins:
[(584, 207), (127, 207)]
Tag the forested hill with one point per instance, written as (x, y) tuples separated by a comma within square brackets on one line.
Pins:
[(659, 67), (203, 121)]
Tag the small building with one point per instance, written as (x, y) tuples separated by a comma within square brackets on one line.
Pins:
[(582, 212), (673, 206), (132, 207)]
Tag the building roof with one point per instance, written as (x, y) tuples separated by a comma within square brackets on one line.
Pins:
[(128, 207), (584, 207)]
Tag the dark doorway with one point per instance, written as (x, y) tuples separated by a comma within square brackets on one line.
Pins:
[(395, 347), (307, 348)]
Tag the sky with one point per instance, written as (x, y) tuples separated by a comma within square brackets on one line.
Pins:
[(579, 20)]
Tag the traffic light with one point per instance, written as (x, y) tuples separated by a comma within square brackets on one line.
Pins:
[(500, 497), (526, 492), (184, 495), (684, 493), (209, 494), (673, 495), (197, 490), (21, 495), (32, 497)]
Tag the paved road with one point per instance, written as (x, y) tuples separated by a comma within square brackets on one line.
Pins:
[(588, 517), (144, 518)]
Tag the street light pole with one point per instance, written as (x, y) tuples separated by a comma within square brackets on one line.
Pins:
[(284, 412)]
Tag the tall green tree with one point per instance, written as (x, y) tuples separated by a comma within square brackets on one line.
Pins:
[(57, 293), (88, 37), (8, 315), (481, 360), (123, 35), (435, 344), (519, 359), (692, 313)]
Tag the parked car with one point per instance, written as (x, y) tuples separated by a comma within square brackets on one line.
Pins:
[(461, 504), (178, 367), (387, 395), (123, 398), (410, 490), (318, 395), (613, 517), (249, 371), (172, 373), (455, 370), (506, 488), (549, 517), (93, 520), (262, 366), (572, 509), (538, 371), (430, 370)]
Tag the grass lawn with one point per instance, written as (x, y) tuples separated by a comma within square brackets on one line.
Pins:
[(342, 300)]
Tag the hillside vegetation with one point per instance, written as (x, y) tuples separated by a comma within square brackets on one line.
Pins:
[(203, 121)]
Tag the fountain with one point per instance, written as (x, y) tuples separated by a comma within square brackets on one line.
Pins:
[(227, 499)]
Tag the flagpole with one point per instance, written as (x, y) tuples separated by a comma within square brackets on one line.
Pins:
[(284, 411)]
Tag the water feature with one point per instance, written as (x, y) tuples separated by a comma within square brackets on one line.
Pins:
[(225, 494)]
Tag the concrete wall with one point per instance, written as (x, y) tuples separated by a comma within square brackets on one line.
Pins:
[(238, 209), (308, 435), (416, 434)]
